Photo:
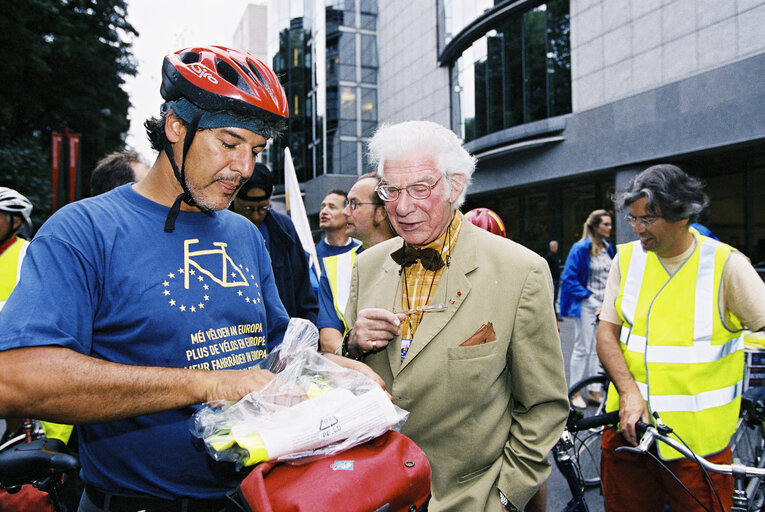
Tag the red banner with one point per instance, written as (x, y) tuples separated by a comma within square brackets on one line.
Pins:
[(65, 166), (74, 157), (56, 139)]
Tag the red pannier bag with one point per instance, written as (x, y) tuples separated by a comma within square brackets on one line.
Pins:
[(389, 473), (28, 499)]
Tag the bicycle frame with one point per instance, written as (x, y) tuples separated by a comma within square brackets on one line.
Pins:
[(738, 471), (564, 457)]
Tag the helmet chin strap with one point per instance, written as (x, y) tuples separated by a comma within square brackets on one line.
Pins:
[(180, 175)]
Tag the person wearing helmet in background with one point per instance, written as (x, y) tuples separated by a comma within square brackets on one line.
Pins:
[(129, 304), (15, 212), (15, 228), (488, 220)]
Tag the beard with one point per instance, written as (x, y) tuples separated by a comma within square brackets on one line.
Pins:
[(208, 198)]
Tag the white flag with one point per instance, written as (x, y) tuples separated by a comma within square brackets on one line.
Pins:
[(294, 202)]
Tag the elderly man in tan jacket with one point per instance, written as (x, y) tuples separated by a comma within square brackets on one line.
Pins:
[(459, 324)]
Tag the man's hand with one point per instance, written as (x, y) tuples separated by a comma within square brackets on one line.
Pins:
[(632, 405), (357, 366), (373, 330), (234, 384), (631, 409)]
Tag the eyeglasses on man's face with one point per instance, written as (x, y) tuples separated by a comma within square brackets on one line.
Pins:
[(388, 192), (248, 210), (355, 204), (645, 220)]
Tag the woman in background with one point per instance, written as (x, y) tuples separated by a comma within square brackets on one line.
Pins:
[(583, 284)]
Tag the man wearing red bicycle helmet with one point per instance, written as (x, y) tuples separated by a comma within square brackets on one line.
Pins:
[(116, 323)]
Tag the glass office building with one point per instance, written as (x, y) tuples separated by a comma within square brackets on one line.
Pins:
[(561, 101), (326, 57)]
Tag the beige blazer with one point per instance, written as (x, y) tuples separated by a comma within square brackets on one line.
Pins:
[(486, 415)]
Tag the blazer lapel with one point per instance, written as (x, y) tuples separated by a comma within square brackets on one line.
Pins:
[(388, 296), (458, 287)]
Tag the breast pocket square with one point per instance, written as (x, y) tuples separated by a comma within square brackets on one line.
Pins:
[(484, 334)]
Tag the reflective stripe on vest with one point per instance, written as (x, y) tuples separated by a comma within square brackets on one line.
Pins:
[(687, 361), (10, 268), (338, 270)]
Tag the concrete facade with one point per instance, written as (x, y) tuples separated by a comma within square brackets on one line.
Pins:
[(251, 33), (719, 108), (620, 48), (411, 84)]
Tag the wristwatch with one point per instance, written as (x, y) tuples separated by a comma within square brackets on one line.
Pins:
[(344, 352)]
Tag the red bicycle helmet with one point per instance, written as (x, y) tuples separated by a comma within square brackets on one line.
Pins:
[(486, 219), (216, 78)]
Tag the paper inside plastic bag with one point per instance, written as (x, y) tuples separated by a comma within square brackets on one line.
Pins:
[(311, 408)]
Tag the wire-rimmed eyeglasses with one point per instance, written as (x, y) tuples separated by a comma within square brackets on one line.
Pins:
[(646, 220), (420, 309), (355, 204), (388, 192), (428, 308)]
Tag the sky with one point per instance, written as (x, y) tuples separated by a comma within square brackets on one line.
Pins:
[(166, 26)]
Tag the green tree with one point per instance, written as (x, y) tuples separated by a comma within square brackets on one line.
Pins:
[(64, 65)]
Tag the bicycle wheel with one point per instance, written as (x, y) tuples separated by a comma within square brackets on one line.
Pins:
[(587, 442)]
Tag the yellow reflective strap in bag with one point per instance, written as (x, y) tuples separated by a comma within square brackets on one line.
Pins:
[(57, 431)]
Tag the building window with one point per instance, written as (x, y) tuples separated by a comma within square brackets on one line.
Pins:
[(347, 102), (519, 72)]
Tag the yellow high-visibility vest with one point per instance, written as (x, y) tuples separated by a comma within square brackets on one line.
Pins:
[(338, 270), (10, 268), (686, 359)]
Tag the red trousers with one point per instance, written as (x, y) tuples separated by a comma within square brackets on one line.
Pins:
[(636, 482)]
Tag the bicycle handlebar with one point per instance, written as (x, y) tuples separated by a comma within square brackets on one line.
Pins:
[(650, 434), (610, 418)]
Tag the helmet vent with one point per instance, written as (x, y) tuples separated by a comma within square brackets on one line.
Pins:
[(246, 70), (261, 78), (189, 57), (230, 74)]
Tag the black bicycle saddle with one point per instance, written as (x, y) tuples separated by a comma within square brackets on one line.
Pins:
[(25, 463)]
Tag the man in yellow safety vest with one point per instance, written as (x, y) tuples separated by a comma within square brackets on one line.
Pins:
[(367, 221), (15, 211), (670, 337)]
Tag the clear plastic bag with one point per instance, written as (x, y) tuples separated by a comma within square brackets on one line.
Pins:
[(311, 408)]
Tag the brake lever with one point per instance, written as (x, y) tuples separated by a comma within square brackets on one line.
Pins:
[(645, 443)]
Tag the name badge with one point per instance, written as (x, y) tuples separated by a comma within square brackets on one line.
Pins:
[(405, 344)]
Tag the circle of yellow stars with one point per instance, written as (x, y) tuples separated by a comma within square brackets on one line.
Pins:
[(193, 307)]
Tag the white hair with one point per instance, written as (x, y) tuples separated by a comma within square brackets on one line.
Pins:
[(416, 138)]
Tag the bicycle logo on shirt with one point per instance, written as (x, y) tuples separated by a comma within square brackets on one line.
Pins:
[(230, 274), (191, 286)]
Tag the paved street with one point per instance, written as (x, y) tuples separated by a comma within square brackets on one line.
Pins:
[(558, 493)]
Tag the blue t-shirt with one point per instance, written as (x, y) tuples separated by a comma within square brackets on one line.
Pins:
[(101, 277)]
